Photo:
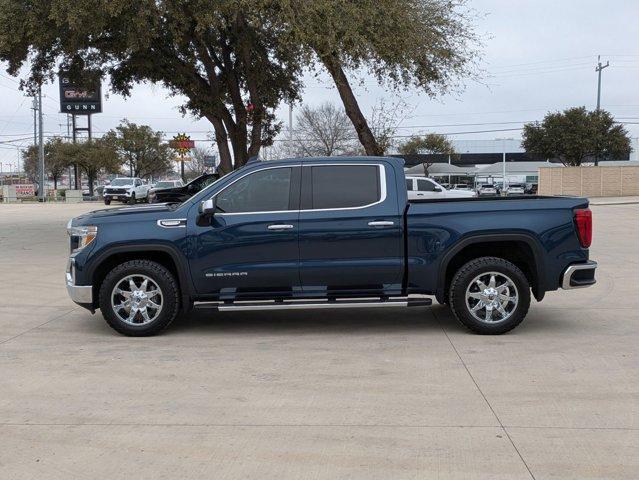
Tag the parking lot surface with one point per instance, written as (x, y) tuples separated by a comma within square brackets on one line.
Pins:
[(364, 394)]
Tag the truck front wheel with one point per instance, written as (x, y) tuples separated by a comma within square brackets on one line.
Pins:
[(489, 295), (139, 298), (132, 199)]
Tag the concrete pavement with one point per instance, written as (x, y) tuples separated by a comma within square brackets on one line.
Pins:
[(322, 395)]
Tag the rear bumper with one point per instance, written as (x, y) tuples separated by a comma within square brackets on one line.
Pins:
[(579, 275)]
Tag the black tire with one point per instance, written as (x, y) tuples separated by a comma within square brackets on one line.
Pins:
[(461, 283), (161, 277), (107, 201), (132, 199)]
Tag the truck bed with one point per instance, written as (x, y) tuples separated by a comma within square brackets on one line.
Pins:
[(437, 228)]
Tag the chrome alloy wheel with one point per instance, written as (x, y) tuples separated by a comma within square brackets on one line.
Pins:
[(491, 297), (136, 300)]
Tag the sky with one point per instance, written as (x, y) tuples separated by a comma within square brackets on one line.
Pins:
[(538, 56)]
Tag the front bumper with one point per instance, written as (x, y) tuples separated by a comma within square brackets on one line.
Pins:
[(80, 294), (116, 195), (579, 275)]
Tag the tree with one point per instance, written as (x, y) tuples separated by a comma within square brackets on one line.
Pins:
[(227, 58), (323, 131), (58, 155), (196, 164), (432, 143), (427, 44), (95, 157), (577, 135), (141, 148)]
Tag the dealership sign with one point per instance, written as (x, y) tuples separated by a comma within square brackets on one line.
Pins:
[(182, 143), (79, 100), (25, 190)]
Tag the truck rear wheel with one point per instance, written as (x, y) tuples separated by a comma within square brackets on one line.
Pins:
[(489, 295), (139, 298)]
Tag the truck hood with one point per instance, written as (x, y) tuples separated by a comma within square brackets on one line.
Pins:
[(146, 212)]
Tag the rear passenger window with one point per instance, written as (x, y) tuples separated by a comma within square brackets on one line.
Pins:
[(345, 186)]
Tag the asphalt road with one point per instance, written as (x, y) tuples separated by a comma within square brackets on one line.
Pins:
[(324, 395)]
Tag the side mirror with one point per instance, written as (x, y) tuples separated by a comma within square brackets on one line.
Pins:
[(438, 189), (207, 207)]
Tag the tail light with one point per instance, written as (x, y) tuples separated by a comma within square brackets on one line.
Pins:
[(583, 222)]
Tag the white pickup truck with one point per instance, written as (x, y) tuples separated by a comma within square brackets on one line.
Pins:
[(423, 188), (126, 189)]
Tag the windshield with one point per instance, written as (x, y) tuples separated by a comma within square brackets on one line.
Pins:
[(487, 186), (121, 182), (164, 184)]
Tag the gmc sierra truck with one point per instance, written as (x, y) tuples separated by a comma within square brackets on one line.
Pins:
[(327, 233)]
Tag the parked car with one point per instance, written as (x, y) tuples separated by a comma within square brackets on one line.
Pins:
[(326, 233), (516, 189), (179, 194), (531, 188), (421, 187), (126, 189), (488, 189), (161, 184)]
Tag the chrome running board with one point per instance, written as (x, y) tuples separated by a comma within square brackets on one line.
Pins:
[(314, 304)]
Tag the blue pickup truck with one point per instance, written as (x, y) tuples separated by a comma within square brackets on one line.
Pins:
[(327, 233)]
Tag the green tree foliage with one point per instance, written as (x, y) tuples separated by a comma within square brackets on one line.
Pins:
[(577, 135), (93, 157), (432, 143), (96, 157), (58, 156), (140, 148), (226, 58), (427, 44)]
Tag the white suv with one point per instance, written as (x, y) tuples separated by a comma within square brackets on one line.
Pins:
[(126, 190)]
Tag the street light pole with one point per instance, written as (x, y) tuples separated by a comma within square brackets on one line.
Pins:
[(41, 145), (503, 167)]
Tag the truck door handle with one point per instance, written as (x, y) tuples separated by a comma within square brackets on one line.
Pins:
[(280, 227), (381, 223)]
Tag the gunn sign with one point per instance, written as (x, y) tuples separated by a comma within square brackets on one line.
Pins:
[(79, 100)]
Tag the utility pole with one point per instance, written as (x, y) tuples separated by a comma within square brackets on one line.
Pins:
[(598, 69), (41, 145), (290, 129), (35, 120)]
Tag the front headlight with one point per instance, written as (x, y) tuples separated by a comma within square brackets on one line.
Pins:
[(81, 236)]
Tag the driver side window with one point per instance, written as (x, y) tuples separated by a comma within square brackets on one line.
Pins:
[(262, 191), (425, 186)]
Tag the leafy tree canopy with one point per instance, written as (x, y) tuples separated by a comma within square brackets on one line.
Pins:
[(58, 155), (140, 148), (225, 57), (431, 143), (577, 135), (93, 157), (428, 44)]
